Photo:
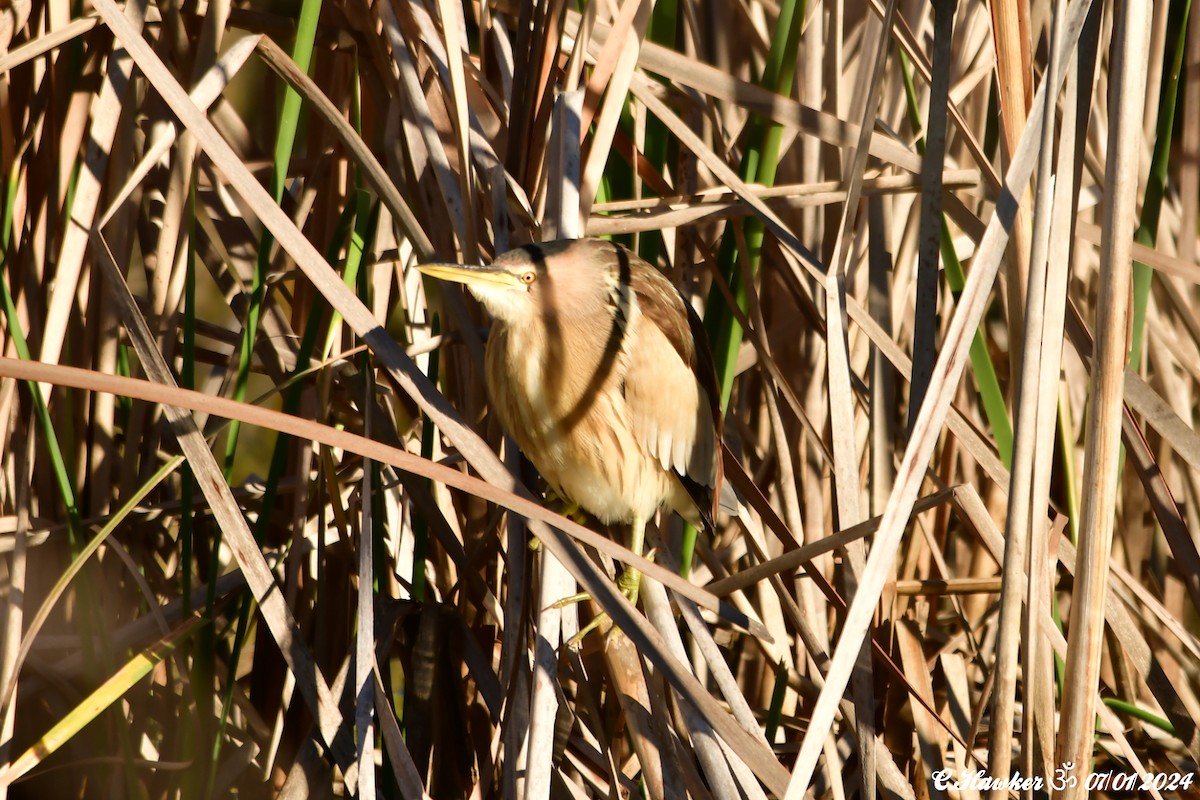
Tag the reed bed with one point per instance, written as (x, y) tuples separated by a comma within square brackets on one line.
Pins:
[(261, 537)]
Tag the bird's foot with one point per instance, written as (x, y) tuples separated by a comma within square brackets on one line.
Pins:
[(630, 584), (570, 600), (600, 620), (567, 508)]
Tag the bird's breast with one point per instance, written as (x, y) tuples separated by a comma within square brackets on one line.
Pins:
[(553, 379), (565, 408)]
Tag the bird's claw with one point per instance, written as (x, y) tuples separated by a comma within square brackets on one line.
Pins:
[(568, 508), (570, 600), (629, 582)]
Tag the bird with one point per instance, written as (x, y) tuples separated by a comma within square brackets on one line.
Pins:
[(599, 369)]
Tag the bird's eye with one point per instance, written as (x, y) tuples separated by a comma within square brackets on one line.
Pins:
[(528, 277)]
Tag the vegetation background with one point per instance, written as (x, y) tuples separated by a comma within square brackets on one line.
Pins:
[(253, 528)]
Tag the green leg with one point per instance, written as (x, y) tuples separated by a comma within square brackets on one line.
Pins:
[(631, 579), (571, 511)]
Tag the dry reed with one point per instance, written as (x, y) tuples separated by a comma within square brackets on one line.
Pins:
[(259, 536)]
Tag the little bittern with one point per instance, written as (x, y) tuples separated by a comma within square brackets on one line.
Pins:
[(600, 370)]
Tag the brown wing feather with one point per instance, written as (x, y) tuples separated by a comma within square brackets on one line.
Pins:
[(694, 455)]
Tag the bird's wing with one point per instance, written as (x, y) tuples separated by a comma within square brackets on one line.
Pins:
[(670, 385)]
